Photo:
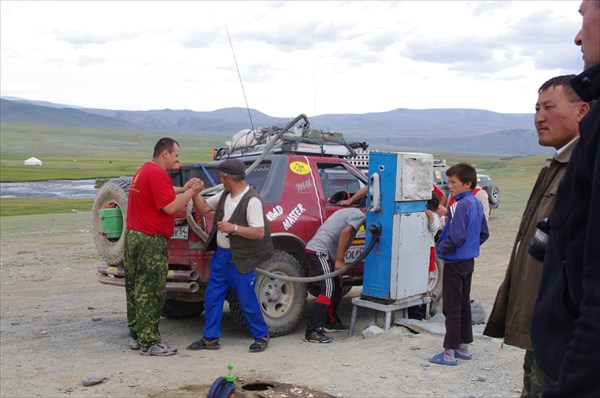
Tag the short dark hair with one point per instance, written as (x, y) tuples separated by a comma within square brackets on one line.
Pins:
[(162, 144), (563, 81), (433, 203), (465, 173)]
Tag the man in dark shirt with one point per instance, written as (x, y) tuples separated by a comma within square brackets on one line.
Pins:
[(565, 329)]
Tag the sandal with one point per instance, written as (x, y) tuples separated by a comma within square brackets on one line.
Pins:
[(461, 355), (440, 360), (260, 345), (205, 344)]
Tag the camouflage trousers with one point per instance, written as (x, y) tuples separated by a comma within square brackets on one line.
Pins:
[(146, 266), (534, 380)]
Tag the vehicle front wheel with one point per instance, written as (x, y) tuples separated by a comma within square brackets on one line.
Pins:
[(282, 302)]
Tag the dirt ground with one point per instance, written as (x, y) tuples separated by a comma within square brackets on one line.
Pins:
[(58, 323)]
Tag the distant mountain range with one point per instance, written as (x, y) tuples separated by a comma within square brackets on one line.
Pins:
[(437, 130)]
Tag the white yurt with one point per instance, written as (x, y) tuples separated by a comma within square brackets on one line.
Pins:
[(32, 161)]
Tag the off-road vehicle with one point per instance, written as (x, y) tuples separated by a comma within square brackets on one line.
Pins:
[(300, 182)]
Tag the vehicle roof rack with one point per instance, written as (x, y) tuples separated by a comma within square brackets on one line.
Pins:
[(301, 141)]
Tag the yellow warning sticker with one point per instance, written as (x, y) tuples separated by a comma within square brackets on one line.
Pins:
[(300, 168)]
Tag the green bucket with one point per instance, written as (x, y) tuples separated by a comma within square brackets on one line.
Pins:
[(111, 223)]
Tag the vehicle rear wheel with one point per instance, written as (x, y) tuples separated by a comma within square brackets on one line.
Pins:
[(112, 194), (282, 302), (182, 309)]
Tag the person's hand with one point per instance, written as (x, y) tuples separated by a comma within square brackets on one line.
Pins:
[(189, 183), (345, 202), (339, 264), (429, 214), (226, 227), (194, 184)]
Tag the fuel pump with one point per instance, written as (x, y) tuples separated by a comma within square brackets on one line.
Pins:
[(397, 269)]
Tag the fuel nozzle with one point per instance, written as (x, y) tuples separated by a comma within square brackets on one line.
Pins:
[(375, 230)]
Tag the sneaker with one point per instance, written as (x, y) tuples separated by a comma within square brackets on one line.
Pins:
[(133, 344), (317, 336), (158, 350), (335, 327)]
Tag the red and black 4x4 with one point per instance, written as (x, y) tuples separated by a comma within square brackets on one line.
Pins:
[(299, 189)]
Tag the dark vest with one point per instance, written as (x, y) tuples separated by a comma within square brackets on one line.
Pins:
[(247, 253)]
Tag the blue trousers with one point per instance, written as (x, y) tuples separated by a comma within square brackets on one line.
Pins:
[(224, 275)]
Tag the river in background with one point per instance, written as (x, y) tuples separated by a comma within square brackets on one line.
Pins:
[(65, 189)]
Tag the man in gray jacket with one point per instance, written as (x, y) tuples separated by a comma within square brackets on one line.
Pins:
[(557, 114)]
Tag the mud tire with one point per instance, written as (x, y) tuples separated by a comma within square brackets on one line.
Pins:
[(112, 193), (282, 302)]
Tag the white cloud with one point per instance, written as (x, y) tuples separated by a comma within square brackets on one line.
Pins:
[(293, 57)]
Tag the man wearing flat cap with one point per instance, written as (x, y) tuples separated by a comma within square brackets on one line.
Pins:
[(244, 242)]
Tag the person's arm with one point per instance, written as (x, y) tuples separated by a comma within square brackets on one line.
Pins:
[(578, 372), (441, 211), (457, 231), (357, 195), (485, 232), (200, 205), (344, 242), (484, 199), (244, 232), (434, 222), (429, 215), (440, 194), (182, 199), (187, 185)]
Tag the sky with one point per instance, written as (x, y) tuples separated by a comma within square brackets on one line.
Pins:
[(286, 58)]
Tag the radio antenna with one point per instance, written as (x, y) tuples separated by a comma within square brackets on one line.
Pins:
[(239, 76)]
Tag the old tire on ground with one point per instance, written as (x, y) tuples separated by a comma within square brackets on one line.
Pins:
[(112, 194), (434, 288), (282, 302), (182, 309)]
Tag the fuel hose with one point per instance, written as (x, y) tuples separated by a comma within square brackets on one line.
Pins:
[(375, 230)]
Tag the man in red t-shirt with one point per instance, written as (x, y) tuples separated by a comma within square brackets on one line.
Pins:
[(151, 208)]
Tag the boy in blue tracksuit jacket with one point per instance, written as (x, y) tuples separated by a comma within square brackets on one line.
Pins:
[(458, 245)]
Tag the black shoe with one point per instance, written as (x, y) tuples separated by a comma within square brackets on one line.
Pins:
[(335, 327), (317, 336)]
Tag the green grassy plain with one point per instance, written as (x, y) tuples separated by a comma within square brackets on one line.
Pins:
[(67, 168), (25, 207), (72, 153), (514, 176)]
